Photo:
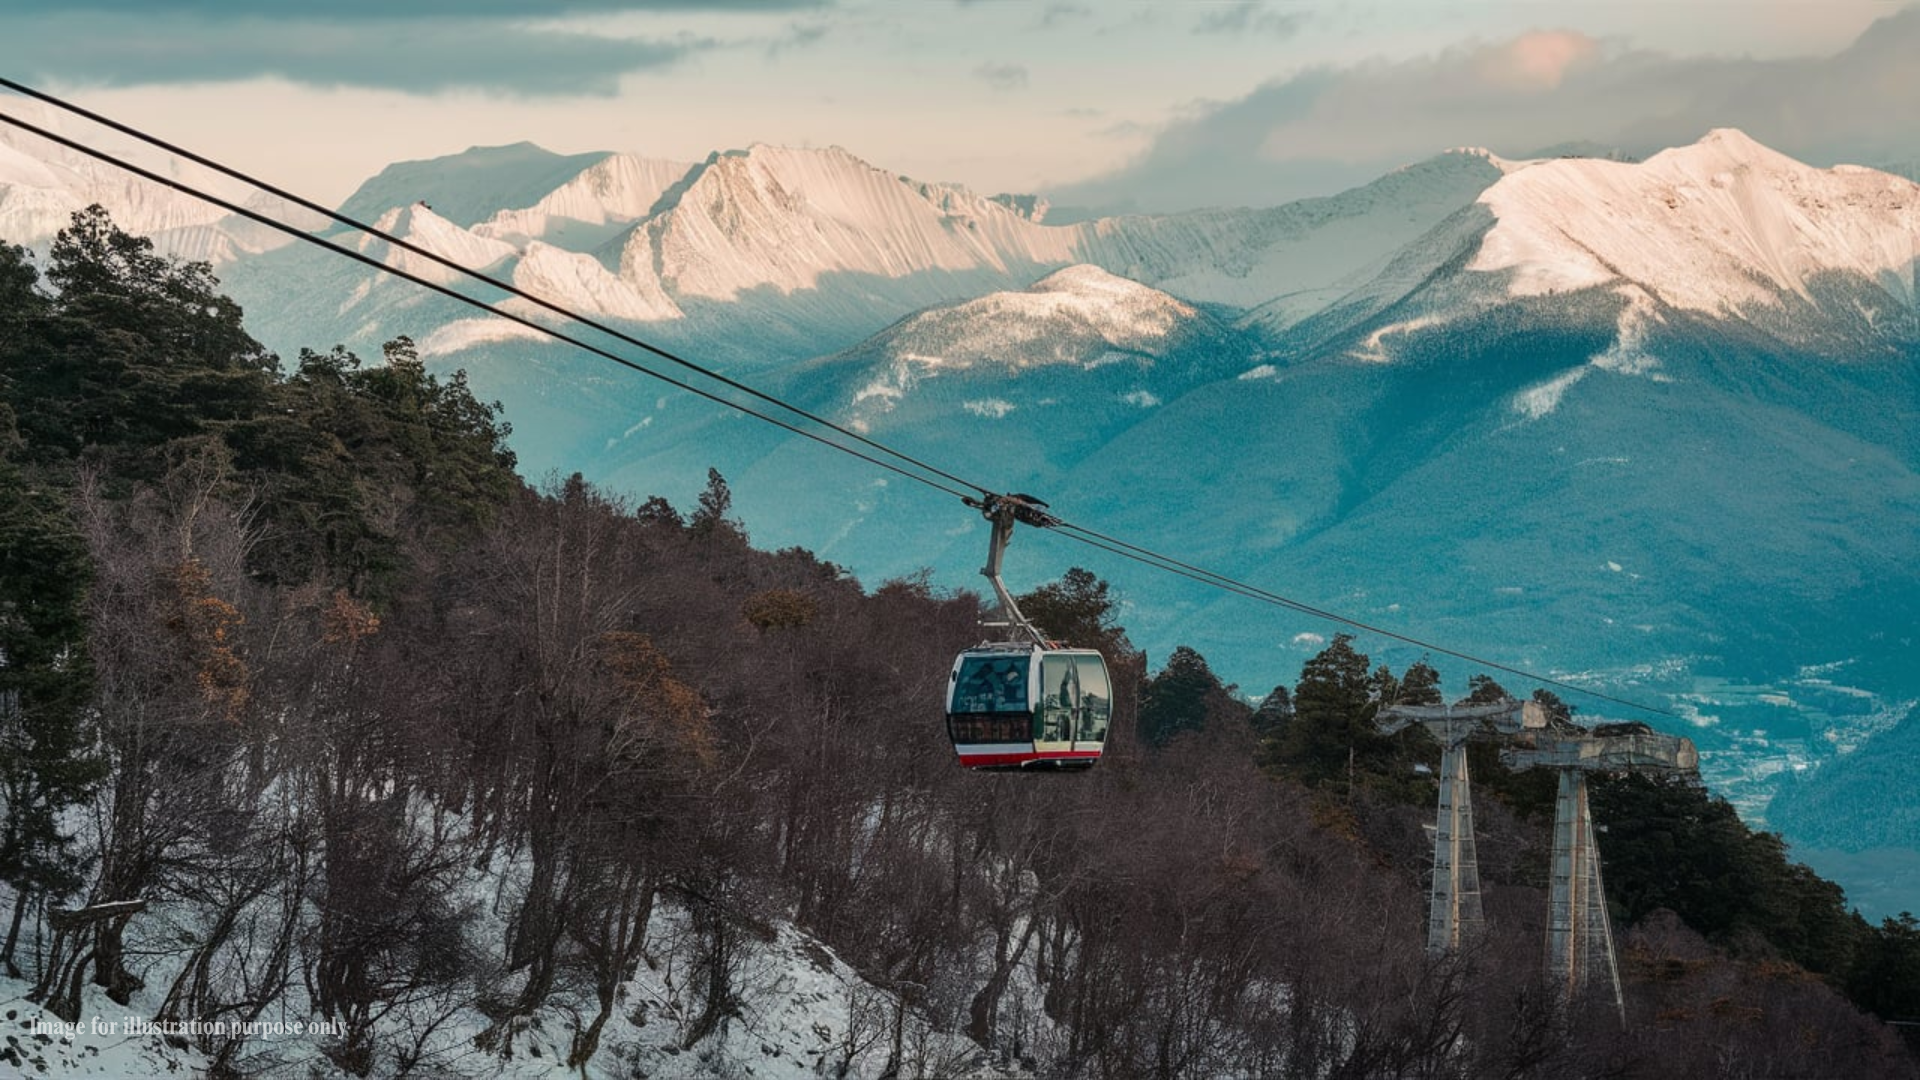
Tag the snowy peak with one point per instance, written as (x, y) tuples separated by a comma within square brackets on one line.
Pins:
[(1080, 315), (42, 183), (420, 226), (1288, 263), (593, 207), (1089, 282), (1725, 227), (782, 218), (1475, 155), (1727, 148), (1079, 334), (470, 186)]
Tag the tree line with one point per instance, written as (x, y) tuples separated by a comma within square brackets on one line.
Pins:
[(306, 696)]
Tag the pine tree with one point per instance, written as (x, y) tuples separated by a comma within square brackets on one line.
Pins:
[(140, 350), (1184, 696), (1385, 686), (714, 516), (1482, 690), (1274, 713), (1078, 609), (1555, 708), (1332, 731), (46, 758), (1421, 685)]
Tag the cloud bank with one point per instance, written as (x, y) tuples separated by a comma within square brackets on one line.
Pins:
[(506, 47), (1324, 129)]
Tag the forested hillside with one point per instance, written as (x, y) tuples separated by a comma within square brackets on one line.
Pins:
[(310, 706)]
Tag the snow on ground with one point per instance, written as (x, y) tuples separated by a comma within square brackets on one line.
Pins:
[(803, 1014), (35, 1043)]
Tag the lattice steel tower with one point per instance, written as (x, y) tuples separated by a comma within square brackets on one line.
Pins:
[(1454, 914), (1579, 934)]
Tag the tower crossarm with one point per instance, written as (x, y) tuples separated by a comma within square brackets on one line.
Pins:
[(1452, 723), (1641, 751)]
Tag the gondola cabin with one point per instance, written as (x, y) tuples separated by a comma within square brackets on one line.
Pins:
[(1012, 706)]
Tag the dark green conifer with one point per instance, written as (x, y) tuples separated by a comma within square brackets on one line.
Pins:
[(47, 762), (1182, 697)]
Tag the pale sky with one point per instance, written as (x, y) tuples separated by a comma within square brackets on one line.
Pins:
[(1160, 106)]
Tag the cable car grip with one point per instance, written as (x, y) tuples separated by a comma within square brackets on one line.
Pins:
[(1003, 511)]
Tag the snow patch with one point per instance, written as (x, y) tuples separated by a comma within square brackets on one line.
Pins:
[(584, 283), (880, 390), (1538, 401), (990, 408), (463, 334), (1627, 355), (1693, 715), (1374, 351)]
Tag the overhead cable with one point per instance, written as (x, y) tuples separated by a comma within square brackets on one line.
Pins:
[(454, 294), (1090, 537), (477, 275)]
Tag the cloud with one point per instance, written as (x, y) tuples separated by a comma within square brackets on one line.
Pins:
[(1328, 128), (1536, 61), (797, 36), (335, 11), (1249, 17), (420, 56), (507, 47), (1002, 76), (1061, 14)]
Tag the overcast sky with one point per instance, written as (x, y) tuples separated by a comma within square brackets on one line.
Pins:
[(1158, 106)]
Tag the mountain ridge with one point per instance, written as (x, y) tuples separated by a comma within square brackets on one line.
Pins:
[(1470, 398)]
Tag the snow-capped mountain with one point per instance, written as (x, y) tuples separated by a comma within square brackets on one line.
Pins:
[(593, 207), (1649, 426), (823, 248), (1081, 317), (1724, 227), (43, 183), (472, 187), (813, 247), (1724, 231), (1078, 355)]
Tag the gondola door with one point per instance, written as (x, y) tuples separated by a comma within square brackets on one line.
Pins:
[(1076, 704), (1094, 711), (1053, 727)]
